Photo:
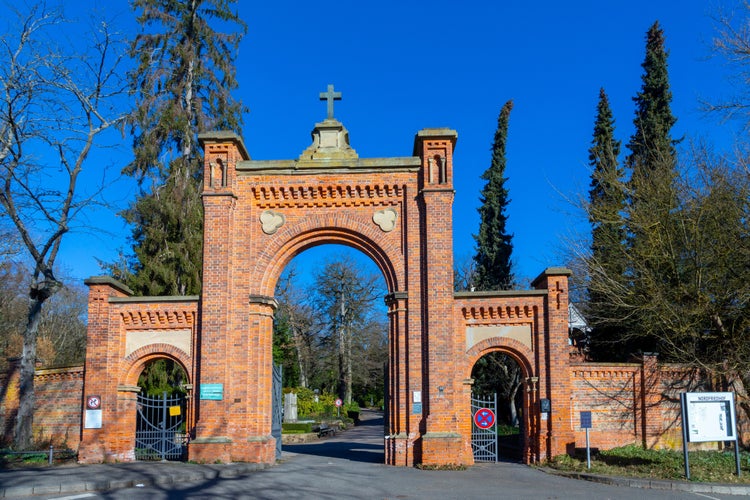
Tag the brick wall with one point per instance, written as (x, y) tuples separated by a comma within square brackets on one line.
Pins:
[(57, 416), (635, 403)]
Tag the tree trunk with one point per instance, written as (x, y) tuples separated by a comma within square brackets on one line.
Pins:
[(26, 394), (348, 375)]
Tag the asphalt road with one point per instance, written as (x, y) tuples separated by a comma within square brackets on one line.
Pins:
[(350, 466)]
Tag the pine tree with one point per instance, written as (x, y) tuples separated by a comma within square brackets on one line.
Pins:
[(183, 82), (651, 195), (606, 207), (494, 246)]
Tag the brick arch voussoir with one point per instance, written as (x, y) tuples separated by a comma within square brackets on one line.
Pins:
[(515, 349), (337, 228), (134, 363)]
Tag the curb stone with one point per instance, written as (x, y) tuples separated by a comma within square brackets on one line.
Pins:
[(655, 484)]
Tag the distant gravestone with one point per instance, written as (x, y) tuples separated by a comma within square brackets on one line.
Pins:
[(290, 407)]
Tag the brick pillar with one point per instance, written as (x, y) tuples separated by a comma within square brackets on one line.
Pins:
[(217, 333), (650, 426), (103, 348), (441, 443), (251, 429), (402, 425), (555, 434)]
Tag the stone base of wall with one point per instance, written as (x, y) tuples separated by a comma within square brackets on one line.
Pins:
[(401, 450), (440, 449), (224, 450)]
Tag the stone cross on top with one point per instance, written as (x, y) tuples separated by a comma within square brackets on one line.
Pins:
[(330, 96)]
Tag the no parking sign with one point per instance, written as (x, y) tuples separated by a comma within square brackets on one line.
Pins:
[(484, 418)]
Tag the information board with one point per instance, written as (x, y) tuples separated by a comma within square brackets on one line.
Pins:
[(213, 392), (710, 416)]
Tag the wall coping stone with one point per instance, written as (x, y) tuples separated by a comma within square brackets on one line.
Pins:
[(149, 299)]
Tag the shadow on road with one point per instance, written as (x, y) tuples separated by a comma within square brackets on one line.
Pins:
[(362, 443)]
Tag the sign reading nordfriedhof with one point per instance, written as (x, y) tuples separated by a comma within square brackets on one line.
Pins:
[(710, 416)]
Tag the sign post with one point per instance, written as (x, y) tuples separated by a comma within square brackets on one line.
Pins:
[(338, 403), (586, 424), (708, 416)]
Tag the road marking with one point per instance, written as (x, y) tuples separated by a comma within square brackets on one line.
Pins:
[(706, 496), (75, 497)]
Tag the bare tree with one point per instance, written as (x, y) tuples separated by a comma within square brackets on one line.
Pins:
[(297, 314), (345, 299), (732, 42), (55, 101)]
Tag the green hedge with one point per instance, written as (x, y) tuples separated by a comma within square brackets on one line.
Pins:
[(296, 427)]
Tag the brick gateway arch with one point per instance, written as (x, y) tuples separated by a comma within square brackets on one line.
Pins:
[(258, 216)]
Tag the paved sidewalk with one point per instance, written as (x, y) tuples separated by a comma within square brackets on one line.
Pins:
[(72, 479), (18, 483)]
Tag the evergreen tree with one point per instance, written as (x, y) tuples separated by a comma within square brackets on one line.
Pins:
[(652, 149), (652, 199), (494, 246), (183, 81), (606, 208)]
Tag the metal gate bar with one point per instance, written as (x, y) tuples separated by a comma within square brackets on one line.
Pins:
[(158, 433), (277, 407), (484, 441)]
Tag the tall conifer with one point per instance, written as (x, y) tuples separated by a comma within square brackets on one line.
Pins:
[(651, 196), (183, 81), (494, 245), (651, 145), (606, 207)]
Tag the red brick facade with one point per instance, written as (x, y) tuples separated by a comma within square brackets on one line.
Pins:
[(398, 211)]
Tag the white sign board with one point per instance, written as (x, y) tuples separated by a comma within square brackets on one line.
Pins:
[(710, 416), (92, 419)]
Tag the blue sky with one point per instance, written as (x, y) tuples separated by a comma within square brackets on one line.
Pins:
[(404, 65)]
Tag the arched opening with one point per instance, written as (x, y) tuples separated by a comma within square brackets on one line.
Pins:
[(161, 411), (500, 378), (331, 336)]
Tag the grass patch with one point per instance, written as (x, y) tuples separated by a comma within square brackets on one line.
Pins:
[(634, 461)]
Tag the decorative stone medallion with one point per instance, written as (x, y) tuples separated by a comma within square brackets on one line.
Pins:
[(385, 219), (271, 221)]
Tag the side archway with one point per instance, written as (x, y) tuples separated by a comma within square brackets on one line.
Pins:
[(513, 384)]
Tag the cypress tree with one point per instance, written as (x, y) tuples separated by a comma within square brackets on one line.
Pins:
[(494, 244), (606, 207), (183, 81)]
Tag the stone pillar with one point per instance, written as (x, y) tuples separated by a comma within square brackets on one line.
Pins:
[(556, 433), (441, 443), (104, 343)]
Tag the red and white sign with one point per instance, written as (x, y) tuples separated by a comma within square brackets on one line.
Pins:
[(93, 403), (339, 402), (484, 418)]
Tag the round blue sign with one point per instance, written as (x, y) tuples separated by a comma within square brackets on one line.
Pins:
[(484, 418)]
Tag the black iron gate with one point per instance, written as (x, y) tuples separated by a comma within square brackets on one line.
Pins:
[(277, 407), (160, 428), (484, 428)]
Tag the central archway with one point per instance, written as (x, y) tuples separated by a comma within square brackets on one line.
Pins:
[(260, 214)]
